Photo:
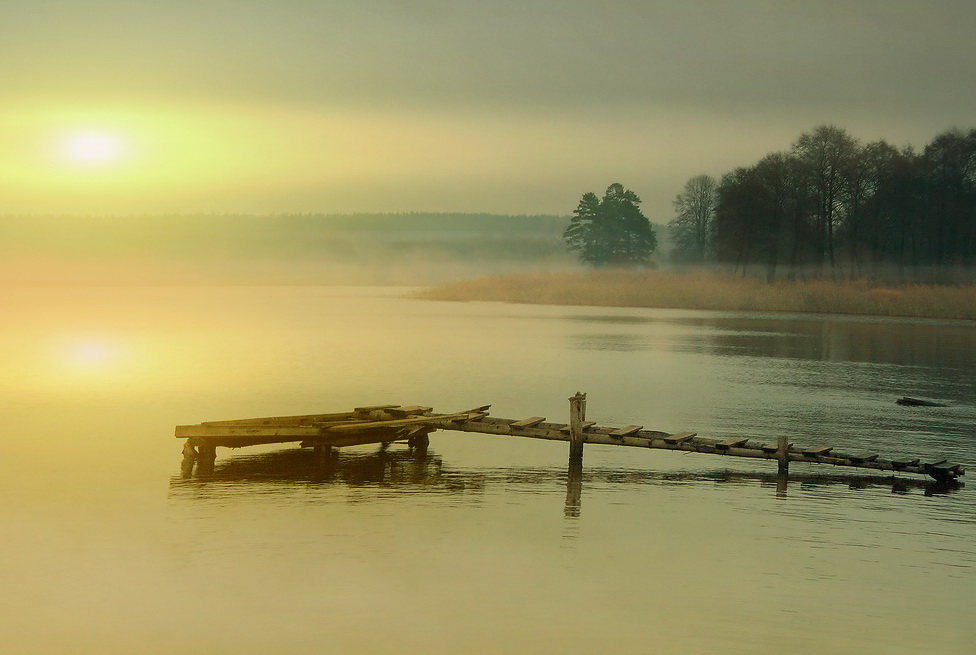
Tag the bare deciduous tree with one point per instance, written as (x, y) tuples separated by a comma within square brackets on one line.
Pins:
[(692, 226)]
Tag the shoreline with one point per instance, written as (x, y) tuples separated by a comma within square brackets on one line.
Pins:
[(715, 292)]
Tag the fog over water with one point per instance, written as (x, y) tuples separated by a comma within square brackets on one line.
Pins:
[(483, 544), (185, 187)]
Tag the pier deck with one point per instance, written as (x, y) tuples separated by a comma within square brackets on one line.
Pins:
[(383, 424)]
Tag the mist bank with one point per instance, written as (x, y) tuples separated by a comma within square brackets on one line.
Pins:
[(714, 291), (399, 249)]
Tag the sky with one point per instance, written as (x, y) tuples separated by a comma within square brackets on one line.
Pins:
[(337, 106)]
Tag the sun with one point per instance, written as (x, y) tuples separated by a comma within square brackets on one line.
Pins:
[(91, 148)]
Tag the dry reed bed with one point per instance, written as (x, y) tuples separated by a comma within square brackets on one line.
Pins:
[(616, 288)]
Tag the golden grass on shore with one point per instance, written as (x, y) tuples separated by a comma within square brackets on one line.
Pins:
[(722, 292)]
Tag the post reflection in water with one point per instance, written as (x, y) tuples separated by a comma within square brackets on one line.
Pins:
[(574, 488), (422, 471)]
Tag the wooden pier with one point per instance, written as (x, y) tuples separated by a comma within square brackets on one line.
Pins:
[(385, 424)]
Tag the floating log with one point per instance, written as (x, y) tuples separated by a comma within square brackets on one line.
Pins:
[(384, 424), (917, 402)]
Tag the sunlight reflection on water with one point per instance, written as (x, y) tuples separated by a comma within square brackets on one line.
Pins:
[(481, 544)]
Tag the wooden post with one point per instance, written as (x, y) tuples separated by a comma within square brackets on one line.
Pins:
[(782, 484), (189, 459), (419, 440), (577, 413), (189, 452), (782, 455), (206, 455), (323, 452)]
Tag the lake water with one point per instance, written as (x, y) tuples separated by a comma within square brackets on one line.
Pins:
[(481, 545)]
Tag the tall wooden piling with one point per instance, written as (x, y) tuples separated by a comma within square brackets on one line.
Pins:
[(782, 455), (577, 414)]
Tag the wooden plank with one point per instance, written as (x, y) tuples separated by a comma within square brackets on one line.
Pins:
[(373, 408), (773, 447), (409, 410), (679, 437), (627, 431), (301, 419), (944, 466), (395, 423), (817, 451), (528, 422), (864, 457), (731, 443), (583, 426), (902, 463)]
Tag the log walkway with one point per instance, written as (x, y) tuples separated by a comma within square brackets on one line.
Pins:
[(385, 424)]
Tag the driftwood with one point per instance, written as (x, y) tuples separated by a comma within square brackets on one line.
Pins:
[(916, 402)]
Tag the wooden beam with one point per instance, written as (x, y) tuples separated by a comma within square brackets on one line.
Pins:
[(294, 433), (373, 408), (409, 410)]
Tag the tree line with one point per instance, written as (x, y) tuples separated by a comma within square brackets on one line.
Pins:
[(834, 206)]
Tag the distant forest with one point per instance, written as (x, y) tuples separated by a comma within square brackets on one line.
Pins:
[(407, 248), (832, 206)]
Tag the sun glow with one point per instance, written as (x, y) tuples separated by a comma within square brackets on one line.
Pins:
[(181, 157), (92, 353), (92, 148)]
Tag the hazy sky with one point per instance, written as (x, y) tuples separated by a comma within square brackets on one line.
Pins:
[(448, 105)]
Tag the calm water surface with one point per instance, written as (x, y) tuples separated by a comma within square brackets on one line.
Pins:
[(483, 545)]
